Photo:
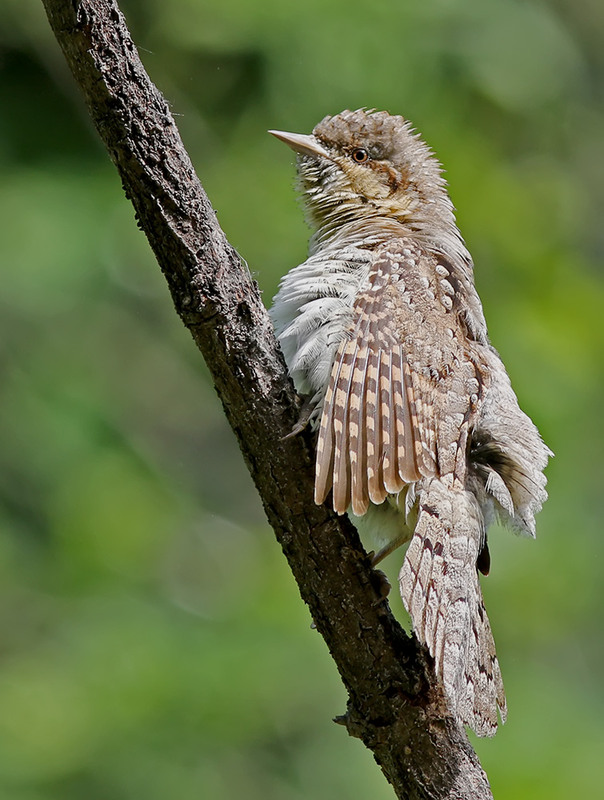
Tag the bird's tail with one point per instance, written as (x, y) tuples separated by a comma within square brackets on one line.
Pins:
[(441, 591)]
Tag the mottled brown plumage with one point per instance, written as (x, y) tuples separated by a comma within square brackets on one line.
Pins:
[(420, 434)]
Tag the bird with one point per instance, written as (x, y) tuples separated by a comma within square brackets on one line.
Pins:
[(420, 437)]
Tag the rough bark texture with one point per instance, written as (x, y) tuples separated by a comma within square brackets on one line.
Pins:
[(395, 705)]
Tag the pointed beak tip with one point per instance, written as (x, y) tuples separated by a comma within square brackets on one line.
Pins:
[(304, 144), (290, 139)]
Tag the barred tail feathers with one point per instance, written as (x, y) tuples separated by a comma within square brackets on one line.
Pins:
[(441, 591)]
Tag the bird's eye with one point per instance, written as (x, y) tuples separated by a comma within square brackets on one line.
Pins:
[(360, 155)]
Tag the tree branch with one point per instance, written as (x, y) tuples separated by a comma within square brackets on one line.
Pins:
[(395, 705)]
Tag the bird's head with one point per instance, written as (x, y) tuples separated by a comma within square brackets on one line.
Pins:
[(366, 165)]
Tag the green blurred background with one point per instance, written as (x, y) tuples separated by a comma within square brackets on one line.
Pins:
[(152, 641)]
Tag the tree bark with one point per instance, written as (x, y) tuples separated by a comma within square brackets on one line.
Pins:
[(395, 704)]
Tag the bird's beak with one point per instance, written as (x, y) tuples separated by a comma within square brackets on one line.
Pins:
[(302, 143)]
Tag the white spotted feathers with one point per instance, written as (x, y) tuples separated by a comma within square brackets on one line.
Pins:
[(378, 427)]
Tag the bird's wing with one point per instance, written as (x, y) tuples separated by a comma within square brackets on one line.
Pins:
[(398, 396)]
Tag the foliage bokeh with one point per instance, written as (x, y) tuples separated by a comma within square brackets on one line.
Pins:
[(152, 642)]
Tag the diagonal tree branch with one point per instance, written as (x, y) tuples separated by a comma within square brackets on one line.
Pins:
[(395, 705)]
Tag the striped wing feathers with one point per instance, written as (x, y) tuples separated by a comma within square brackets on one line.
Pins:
[(378, 429)]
